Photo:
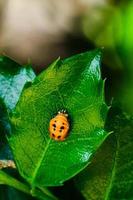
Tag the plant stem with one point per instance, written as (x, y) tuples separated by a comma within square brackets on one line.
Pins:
[(10, 181), (6, 179)]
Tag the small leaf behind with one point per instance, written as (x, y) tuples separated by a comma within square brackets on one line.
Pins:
[(12, 80), (110, 175)]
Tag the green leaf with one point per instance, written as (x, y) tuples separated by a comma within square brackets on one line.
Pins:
[(12, 80), (5, 152), (73, 84), (23, 187), (110, 174), (8, 70)]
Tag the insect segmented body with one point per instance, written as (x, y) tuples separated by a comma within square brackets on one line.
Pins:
[(59, 126)]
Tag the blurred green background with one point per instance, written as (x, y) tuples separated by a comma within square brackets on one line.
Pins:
[(40, 31)]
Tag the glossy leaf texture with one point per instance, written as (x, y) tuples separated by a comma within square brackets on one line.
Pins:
[(12, 80), (109, 176), (73, 84), (13, 77)]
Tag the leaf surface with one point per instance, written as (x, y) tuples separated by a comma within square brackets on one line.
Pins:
[(73, 84), (110, 175), (12, 80), (13, 77)]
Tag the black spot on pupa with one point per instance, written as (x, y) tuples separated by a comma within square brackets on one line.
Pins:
[(62, 127), (53, 134)]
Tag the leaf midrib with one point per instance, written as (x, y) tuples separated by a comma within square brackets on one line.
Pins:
[(40, 161), (46, 148)]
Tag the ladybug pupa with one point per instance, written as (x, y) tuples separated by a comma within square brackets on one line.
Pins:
[(59, 126)]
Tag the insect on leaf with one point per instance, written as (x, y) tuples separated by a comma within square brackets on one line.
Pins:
[(73, 84)]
